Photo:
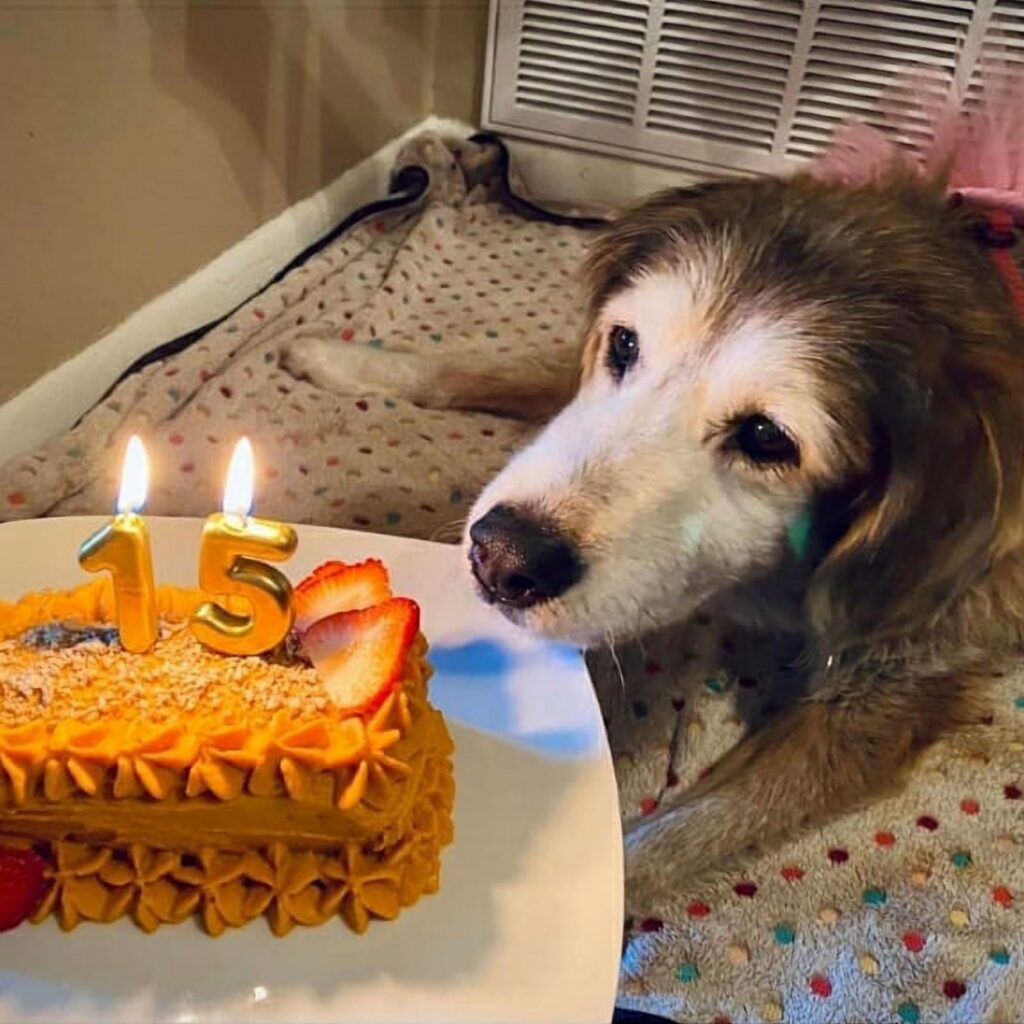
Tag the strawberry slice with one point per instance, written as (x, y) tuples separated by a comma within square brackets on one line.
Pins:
[(360, 654), (22, 884), (338, 587)]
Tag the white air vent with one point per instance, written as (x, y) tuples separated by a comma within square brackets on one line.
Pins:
[(856, 52), (1002, 47), (736, 85), (576, 60), (720, 69)]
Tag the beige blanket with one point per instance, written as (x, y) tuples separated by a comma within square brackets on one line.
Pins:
[(912, 910)]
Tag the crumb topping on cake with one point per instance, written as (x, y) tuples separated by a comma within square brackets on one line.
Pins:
[(89, 679)]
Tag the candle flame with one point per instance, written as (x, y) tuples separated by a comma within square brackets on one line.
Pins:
[(238, 487), (134, 477)]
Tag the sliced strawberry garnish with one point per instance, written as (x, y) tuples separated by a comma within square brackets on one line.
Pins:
[(328, 568), (22, 884), (360, 655), (337, 587)]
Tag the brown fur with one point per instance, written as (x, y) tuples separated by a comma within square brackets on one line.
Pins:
[(921, 593)]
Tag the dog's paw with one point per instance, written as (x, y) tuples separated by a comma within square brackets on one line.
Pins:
[(347, 369), (663, 853), (309, 359), (643, 886)]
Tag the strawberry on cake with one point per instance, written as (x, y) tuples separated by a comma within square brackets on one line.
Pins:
[(310, 783)]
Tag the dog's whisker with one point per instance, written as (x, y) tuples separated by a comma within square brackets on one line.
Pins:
[(450, 530), (618, 664)]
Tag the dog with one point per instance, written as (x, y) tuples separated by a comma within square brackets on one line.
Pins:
[(800, 403)]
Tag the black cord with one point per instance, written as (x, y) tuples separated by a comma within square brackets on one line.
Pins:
[(526, 209), (622, 1016), (407, 185)]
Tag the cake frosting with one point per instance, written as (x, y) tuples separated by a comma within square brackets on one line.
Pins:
[(182, 783)]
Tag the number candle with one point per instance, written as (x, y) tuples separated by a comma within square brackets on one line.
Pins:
[(229, 568), (122, 548)]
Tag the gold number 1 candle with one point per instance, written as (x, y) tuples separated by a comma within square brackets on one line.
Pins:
[(230, 568), (122, 548)]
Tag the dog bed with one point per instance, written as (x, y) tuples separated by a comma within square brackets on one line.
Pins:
[(911, 910)]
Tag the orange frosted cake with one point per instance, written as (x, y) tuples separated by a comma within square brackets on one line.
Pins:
[(307, 784)]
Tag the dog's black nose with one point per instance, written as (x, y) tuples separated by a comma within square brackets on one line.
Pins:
[(520, 560)]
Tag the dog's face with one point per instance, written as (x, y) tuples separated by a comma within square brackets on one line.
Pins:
[(758, 391), (686, 461)]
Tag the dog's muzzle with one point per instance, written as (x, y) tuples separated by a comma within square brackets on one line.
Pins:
[(520, 560)]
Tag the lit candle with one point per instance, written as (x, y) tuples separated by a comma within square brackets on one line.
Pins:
[(229, 567), (122, 548)]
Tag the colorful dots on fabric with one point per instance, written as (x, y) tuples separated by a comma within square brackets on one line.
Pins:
[(874, 896), (959, 918), (954, 989), (738, 954), (908, 1012), (820, 985), (868, 964), (1002, 895), (687, 973)]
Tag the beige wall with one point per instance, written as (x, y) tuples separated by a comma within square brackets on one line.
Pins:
[(139, 140)]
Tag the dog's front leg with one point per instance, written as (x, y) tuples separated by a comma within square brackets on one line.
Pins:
[(815, 759), (530, 389)]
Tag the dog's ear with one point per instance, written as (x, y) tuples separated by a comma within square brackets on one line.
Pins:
[(942, 504)]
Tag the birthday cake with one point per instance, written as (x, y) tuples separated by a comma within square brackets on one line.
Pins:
[(309, 783)]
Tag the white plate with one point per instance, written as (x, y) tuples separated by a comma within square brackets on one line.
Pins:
[(527, 924)]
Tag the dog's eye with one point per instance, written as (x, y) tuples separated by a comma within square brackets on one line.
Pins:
[(623, 350), (764, 442)]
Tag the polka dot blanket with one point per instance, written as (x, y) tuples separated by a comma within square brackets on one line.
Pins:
[(911, 910)]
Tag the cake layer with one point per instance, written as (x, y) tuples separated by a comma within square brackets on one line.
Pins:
[(227, 888), (243, 822)]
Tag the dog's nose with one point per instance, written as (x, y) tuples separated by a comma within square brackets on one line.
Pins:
[(520, 560)]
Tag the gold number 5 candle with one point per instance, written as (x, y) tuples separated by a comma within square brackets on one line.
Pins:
[(122, 547), (230, 569)]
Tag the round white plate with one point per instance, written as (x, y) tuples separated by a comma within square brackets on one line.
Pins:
[(527, 925)]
